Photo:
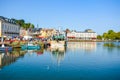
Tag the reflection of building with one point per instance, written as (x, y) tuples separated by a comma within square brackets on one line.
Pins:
[(86, 35), (82, 45), (8, 58), (58, 54), (0, 59), (8, 27)]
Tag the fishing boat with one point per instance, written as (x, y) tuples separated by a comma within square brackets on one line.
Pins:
[(58, 41), (30, 46)]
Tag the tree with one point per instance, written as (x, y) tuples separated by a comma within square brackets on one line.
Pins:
[(118, 35), (32, 26), (28, 25), (111, 35), (20, 22), (110, 31), (99, 37), (105, 36)]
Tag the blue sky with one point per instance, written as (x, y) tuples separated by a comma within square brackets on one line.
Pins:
[(99, 15)]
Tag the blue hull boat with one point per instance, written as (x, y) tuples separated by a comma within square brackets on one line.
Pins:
[(30, 47), (5, 48)]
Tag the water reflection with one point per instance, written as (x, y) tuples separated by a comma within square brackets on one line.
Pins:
[(110, 46), (86, 46), (7, 58), (101, 64), (58, 54), (38, 52)]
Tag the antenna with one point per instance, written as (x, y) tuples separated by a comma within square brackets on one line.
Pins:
[(59, 28), (37, 26)]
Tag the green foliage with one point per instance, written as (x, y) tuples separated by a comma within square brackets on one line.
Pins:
[(105, 35), (111, 35), (41, 44), (22, 43), (20, 22), (110, 31), (24, 25), (15, 43), (118, 35), (99, 37), (109, 45)]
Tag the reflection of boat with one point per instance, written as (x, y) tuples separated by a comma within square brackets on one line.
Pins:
[(62, 49), (58, 54), (59, 44), (39, 52), (30, 46)]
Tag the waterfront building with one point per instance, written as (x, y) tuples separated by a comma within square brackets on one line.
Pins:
[(88, 34), (23, 32), (30, 33), (8, 27), (35, 32), (47, 33)]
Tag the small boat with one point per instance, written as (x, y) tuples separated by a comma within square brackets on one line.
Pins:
[(59, 44), (5, 48), (30, 46)]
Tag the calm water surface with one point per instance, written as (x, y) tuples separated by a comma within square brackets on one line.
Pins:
[(79, 60)]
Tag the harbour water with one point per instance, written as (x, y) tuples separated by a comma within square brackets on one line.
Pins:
[(77, 61)]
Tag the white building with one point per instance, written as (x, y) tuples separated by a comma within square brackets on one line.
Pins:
[(8, 27), (86, 35)]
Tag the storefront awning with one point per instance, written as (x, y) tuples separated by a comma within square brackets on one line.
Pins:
[(71, 37), (40, 37)]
